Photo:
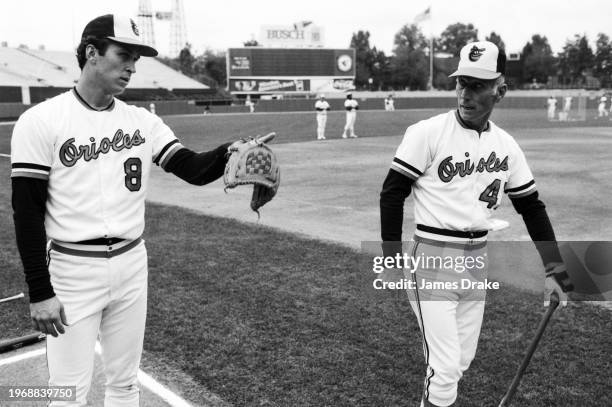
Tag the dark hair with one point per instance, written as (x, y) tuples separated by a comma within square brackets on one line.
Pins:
[(101, 45)]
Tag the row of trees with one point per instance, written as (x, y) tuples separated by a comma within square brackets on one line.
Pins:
[(577, 65)]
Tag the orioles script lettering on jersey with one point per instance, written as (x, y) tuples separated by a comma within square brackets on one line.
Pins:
[(69, 154), (447, 170)]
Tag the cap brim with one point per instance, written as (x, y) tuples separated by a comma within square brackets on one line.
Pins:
[(476, 73), (143, 50)]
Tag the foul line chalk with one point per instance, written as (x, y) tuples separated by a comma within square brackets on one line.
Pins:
[(23, 356), (147, 381), (157, 388)]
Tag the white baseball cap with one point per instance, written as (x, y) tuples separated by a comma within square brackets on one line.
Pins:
[(119, 29), (481, 59)]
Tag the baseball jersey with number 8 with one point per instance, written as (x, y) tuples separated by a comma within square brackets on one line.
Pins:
[(97, 164)]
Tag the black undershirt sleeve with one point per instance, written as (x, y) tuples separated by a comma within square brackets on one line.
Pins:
[(29, 205), (533, 211), (396, 188), (198, 168)]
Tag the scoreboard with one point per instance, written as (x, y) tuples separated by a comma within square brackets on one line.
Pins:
[(255, 70)]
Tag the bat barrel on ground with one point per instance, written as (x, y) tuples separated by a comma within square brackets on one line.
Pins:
[(14, 297), (21, 341), (554, 303)]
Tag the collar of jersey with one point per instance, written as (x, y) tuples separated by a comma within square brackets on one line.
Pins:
[(465, 126), (90, 107)]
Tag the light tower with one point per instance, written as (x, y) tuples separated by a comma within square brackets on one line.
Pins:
[(145, 22), (177, 28)]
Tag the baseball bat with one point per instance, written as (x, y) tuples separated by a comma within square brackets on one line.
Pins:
[(554, 303), (14, 297), (19, 342)]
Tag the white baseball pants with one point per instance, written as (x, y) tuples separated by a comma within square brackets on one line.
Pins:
[(321, 122), (449, 319), (349, 127), (105, 298)]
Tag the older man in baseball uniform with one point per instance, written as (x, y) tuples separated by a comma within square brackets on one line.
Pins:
[(351, 106), (80, 167), (459, 164), (321, 107)]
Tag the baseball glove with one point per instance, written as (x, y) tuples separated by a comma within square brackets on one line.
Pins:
[(253, 162)]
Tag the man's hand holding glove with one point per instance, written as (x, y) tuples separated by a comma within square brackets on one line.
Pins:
[(253, 162)]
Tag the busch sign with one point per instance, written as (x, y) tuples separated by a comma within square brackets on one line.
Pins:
[(291, 36)]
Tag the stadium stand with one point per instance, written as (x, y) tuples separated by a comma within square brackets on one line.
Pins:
[(47, 73)]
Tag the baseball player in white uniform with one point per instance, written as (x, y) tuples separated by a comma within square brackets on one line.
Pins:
[(321, 107), (551, 103), (601, 107), (80, 168), (389, 103), (351, 106), (459, 164)]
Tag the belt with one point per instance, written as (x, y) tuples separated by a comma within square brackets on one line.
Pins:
[(109, 241), (447, 235), (100, 248)]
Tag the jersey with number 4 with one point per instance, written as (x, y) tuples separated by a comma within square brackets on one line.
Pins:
[(459, 175), (97, 164)]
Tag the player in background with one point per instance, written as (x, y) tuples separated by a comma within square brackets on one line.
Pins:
[(351, 106), (459, 164), (321, 107), (551, 104), (250, 104), (567, 107), (80, 167), (601, 107), (389, 103)]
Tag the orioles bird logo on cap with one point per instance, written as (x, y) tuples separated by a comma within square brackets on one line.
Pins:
[(134, 27), (475, 53)]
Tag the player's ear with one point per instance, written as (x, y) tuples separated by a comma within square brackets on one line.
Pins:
[(501, 91), (91, 52)]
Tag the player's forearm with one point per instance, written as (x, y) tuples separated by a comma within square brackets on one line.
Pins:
[(395, 190), (534, 214), (198, 168), (29, 198)]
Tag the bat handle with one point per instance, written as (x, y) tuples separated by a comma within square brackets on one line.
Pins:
[(554, 303)]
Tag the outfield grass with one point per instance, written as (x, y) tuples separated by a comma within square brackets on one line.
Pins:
[(265, 318)]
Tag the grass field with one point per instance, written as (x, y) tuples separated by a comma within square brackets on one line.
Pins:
[(263, 317)]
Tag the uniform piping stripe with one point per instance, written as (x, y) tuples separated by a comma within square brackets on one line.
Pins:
[(90, 107), (163, 151), (95, 253), (518, 189), (170, 154), (425, 345), (522, 194), (407, 166), (28, 174), (31, 166), (405, 173), (465, 125)]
